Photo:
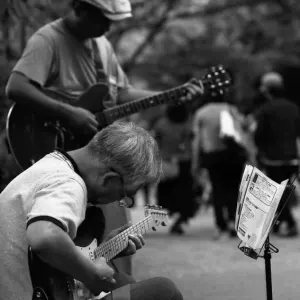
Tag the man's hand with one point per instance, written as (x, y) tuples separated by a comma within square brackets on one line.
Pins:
[(135, 241), (194, 89), (83, 119), (104, 282)]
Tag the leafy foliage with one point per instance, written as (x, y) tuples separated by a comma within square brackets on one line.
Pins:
[(169, 41)]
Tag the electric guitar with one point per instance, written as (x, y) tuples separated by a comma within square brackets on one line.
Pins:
[(51, 284), (33, 135)]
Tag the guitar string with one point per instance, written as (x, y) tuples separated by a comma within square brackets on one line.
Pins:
[(123, 240), (124, 109), (120, 239), (134, 106)]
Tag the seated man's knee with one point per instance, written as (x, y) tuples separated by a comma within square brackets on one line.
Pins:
[(167, 287), (163, 288)]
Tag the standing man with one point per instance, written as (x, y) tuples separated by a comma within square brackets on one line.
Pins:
[(224, 162), (68, 56), (277, 138)]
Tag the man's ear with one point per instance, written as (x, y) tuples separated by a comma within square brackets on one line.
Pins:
[(111, 178)]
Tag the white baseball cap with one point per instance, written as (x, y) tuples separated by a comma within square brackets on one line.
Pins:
[(115, 10), (272, 79)]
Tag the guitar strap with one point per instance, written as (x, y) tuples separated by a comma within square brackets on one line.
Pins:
[(101, 76)]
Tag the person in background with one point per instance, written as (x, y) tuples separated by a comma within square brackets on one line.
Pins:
[(276, 135), (176, 191), (223, 159)]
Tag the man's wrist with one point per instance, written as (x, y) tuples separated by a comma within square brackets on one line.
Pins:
[(64, 110)]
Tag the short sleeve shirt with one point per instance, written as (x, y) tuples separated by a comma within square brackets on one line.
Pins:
[(207, 124), (49, 190), (278, 127), (57, 61)]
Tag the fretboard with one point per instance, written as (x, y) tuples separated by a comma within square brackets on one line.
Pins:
[(118, 243), (127, 109)]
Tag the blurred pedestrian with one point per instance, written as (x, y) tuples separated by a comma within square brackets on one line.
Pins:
[(176, 191), (224, 159), (277, 137)]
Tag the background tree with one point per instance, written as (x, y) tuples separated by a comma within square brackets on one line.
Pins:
[(169, 41)]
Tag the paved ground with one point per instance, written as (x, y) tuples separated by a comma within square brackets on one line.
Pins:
[(210, 270)]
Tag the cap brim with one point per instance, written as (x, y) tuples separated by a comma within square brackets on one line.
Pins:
[(118, 17)]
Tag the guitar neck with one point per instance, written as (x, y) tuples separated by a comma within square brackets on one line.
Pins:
[(127, 109), (117, 244)]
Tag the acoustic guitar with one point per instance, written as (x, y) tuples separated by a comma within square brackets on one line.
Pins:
[(33, 135), (51, 284)]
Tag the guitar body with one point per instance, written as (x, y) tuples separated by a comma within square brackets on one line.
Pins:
[(32, 135), (51, 284)]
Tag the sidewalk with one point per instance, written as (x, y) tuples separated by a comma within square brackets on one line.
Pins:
[(210, 270)]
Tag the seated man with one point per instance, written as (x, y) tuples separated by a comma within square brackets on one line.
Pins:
[(43, 207)]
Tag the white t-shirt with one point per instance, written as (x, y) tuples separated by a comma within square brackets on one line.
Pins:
[(49, 190)]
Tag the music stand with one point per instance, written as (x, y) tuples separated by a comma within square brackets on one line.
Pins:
[(269, 248)]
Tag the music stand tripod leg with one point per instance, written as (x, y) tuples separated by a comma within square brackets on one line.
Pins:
[(269, 249)]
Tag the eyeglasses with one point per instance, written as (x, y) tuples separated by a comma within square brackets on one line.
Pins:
[(126, 201)]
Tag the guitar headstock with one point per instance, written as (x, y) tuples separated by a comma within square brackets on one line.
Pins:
[(217, 81), (159, 216)]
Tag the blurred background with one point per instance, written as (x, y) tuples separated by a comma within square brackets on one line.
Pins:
[(166, 43)]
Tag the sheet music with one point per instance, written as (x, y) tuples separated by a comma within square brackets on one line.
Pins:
[(259, 197)]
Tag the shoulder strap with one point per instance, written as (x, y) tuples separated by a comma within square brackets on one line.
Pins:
[(100, 74)]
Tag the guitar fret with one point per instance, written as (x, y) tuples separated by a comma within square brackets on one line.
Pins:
[(114, 246), (120, 112), (182, 92), (135, 106), (161, 98), (143, 104), (140, 105), (171, 95)]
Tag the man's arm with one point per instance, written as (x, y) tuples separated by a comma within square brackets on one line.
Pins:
[(55, 247), (21, 90), (31, 73)]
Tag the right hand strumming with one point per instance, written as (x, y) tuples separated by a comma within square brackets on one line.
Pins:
[(104, 281), (83, 120)]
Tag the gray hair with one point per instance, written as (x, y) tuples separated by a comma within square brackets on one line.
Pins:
[(130, 149)]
